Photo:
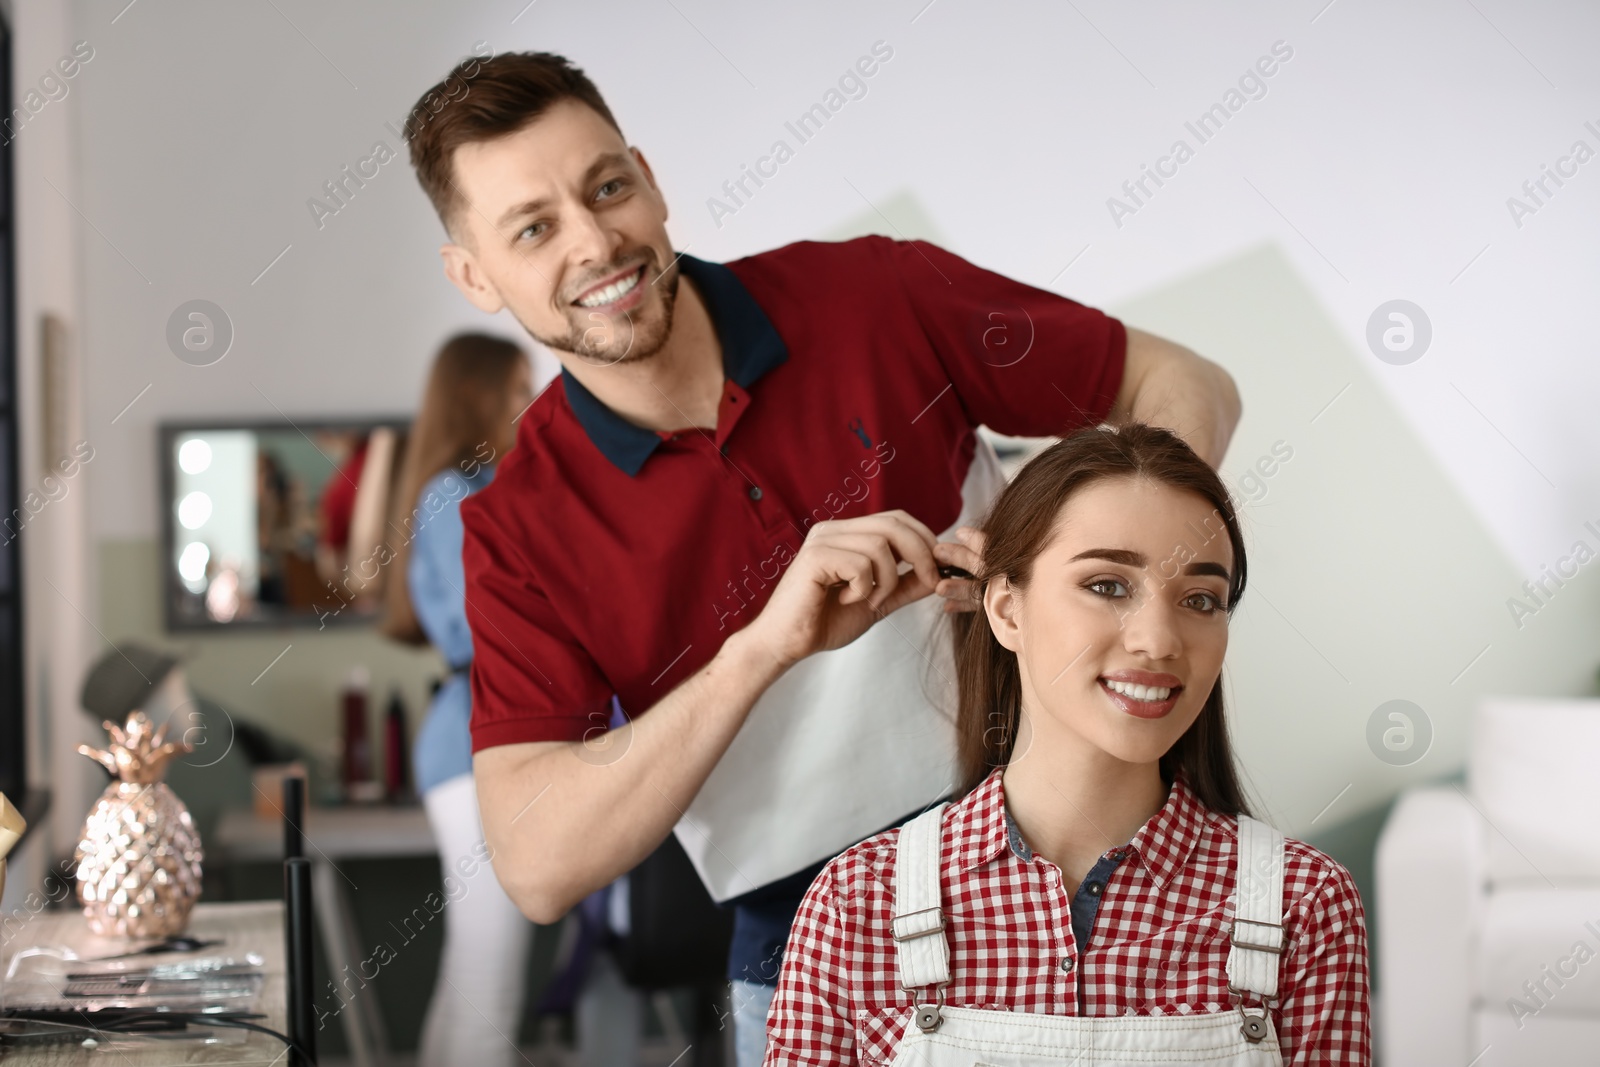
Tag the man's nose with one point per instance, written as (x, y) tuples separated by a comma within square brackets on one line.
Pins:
[(590, 241)]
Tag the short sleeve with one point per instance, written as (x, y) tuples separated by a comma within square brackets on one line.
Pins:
[(1325, 1014), (810, 1019), (1022, 361), (531, 679)]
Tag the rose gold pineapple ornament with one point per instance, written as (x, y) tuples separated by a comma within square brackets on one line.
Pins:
[(139, 859)]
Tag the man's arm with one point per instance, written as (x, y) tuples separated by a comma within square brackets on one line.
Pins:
[(1166, 384), (563, 818)]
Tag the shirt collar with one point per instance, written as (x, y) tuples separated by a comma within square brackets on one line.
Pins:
[(751, 346), (1163, 844)]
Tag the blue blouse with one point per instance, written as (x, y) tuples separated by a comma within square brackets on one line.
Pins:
[(437, 583)]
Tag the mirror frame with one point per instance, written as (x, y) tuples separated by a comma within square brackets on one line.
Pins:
[(167, 434)]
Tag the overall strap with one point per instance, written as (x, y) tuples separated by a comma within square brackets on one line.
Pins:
[(918, 924), (1258, 938)]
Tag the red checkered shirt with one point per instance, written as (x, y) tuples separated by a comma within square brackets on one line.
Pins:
[(1158, 945)]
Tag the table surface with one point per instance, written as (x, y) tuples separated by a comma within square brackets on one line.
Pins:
[(247, 926), (349, 832)]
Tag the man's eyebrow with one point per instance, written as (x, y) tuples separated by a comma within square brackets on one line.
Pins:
[(1130, 558), (529, 207)]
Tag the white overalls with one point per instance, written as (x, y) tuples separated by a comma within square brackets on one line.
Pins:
[(939, 1036)]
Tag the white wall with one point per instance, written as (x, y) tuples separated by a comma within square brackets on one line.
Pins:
[(1379, 162), (56, 577)]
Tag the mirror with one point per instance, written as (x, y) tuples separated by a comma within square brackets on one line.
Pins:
[(274, 524)]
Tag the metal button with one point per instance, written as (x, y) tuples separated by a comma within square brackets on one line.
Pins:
[(755, 492), (1067, 964), (1094, 888)]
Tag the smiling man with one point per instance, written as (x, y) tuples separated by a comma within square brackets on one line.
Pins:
[(731, 512)]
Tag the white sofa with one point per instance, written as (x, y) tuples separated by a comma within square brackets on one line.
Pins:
[(1488, 899)]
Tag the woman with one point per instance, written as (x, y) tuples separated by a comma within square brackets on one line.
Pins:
[(476, 390), (1098, 892)]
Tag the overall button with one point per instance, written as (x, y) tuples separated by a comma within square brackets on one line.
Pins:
[(1094, 888), (1066, 964), (755, 492)]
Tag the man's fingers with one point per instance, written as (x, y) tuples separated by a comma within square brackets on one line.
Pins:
[(909, 537), (834, 564), (882, 570)]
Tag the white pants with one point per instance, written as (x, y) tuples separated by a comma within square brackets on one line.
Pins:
[(751, 1002), (477, 1002)]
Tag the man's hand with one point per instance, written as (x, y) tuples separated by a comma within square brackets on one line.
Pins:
[(845, 577), (966, 552)]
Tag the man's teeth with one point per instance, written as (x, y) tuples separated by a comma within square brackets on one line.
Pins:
[(1152, 693), (614, 291)]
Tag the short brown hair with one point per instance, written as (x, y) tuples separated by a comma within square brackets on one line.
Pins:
[(482, 99)]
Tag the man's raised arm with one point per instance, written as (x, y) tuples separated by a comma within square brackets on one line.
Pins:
[(1166, 384)]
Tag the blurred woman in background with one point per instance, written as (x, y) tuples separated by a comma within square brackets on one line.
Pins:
[(477, 388)]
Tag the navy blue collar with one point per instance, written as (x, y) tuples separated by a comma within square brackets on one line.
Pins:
[(750, 347)]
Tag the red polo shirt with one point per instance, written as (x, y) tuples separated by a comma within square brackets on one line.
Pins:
[(609, 559)]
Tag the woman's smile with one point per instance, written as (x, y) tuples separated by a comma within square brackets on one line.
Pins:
[(1141, 701)]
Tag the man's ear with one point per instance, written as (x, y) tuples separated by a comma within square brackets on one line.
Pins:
[(1001, 603), (462, 268)]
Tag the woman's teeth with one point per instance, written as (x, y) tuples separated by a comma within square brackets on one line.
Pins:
[(612, 292), (1153, 693)]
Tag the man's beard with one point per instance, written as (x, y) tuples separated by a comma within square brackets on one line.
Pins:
[(608, 340)]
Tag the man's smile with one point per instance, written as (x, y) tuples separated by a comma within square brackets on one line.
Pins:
[(613, 293)]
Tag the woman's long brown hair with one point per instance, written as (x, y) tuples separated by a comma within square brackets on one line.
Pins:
[(462, 408), (1019, 525)]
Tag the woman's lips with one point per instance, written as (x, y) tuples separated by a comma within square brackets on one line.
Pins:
[(1141, 709)]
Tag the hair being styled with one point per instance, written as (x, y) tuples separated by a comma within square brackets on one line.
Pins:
[(1019, 525), (463, 408), (479, 100)]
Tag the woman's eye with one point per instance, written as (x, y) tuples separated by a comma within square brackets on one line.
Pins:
[(1207, 602), (1099, 583)]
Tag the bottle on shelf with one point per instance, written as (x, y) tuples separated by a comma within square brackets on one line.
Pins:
[(396, 776)]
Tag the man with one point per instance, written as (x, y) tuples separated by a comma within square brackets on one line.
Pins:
[(725, 512)]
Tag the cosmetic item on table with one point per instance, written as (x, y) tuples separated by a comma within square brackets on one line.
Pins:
[(396, 780), (357, 753), (269, 779), (139, 856)]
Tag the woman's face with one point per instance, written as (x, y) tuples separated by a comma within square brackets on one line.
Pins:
[(1121, 628)]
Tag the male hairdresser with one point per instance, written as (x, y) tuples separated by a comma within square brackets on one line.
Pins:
[(732, 510)]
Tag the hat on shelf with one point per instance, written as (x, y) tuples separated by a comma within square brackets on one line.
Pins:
[(123, 679)]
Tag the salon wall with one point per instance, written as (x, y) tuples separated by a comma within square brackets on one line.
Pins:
[(1374, 164)]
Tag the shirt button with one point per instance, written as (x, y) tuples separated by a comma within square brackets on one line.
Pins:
[(755, 492), (1066, 964), (1094, 888)]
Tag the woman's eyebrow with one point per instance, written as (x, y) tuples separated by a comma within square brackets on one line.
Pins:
[(1130, 558)]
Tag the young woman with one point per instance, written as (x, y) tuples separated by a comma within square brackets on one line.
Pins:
[(1098, 892), (477, 388)]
